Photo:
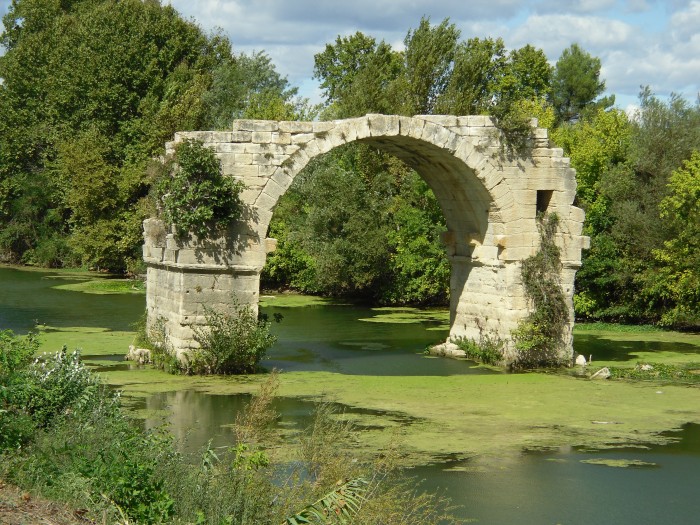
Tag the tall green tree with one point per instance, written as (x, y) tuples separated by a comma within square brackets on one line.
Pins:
[(576, 84), (429, 56), (479, 65), (678, 278), (246, 86), (358, 76)]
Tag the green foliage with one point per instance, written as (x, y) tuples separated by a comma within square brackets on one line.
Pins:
[(539, 337), (429, 54), (58, 383), (576, 84), (359, 224), (679, 258), (640, 267), (196, 197), (232, 343), (687, 373), (249, 87), (98, 462), (357, 76), (16, 354), (91, 91), (487, 350), (36, 392), (338, 506)]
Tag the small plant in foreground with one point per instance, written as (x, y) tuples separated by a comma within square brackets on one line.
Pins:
[(488, 349), (231, 343)]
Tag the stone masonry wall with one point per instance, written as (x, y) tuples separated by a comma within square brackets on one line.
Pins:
[(490, 203)]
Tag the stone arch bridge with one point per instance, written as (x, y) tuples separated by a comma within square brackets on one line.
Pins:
[(490, 203)]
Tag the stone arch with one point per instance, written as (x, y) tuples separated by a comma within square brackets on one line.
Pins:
[(489, 201)]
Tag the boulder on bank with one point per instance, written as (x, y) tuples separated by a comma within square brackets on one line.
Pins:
[(603, 373)]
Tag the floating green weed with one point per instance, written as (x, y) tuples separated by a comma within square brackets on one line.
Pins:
[(105, 286), (619, 463)]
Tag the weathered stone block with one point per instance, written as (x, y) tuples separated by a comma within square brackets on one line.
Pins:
[(296, 127), (262, 137), (255, 125)]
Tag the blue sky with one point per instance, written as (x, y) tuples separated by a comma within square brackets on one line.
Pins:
[(640, 42)]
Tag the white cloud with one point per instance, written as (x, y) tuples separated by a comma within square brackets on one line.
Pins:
[(685, 25), (573, 6), (553, 33)]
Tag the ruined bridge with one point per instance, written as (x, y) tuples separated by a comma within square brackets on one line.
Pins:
[(490, 205)]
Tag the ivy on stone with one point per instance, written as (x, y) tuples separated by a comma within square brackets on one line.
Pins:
[(194, 195), (539, 338)]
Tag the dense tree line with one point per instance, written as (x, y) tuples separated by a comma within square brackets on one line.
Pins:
[(639, 182), (638, 176), (91, 90)]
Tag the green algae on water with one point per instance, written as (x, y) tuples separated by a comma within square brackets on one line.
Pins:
[(408, 315), (292, 300), (620, 463), (105, 286), (90, 341)]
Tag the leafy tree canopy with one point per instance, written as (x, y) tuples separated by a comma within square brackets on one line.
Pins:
[(576, 84), (91, 90)]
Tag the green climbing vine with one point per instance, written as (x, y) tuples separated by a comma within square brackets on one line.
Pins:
[(540, 336), (194, 195)]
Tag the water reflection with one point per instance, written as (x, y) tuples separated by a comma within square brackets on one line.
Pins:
[(533, 487), (28, 298), (333, 338), (195, 418)]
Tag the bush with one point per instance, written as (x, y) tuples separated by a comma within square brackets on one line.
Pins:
[(488, 350), (194, 194), (231, 343), (97, 462), (16, 354), (59, 383)]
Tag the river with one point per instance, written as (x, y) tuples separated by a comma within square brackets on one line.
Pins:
[(565, 484)]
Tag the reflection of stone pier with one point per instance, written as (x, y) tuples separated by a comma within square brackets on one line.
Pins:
[(489, 202)]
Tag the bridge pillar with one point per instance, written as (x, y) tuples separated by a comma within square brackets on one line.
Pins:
[(186, 276)]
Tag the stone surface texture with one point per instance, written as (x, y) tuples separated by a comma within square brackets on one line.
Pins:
[(490, 203)]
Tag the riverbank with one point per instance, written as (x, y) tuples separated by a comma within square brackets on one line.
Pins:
[(19, 507)]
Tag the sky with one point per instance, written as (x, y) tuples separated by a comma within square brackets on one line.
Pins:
[(639, 42)]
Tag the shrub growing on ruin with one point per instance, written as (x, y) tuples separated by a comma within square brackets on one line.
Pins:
[(194, 195)]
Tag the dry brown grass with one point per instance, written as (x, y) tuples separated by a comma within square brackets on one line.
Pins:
[(18, 507)]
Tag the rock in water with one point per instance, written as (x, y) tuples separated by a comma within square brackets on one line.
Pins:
[(603, 373)]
